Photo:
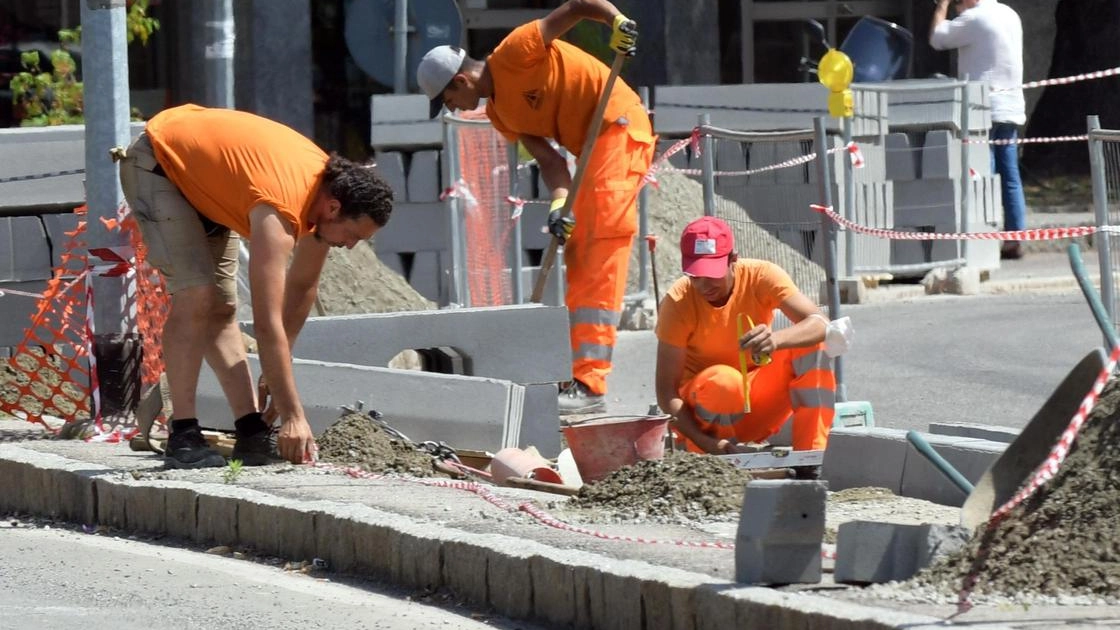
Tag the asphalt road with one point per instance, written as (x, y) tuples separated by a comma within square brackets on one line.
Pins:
[(63, 579), (986, 359)]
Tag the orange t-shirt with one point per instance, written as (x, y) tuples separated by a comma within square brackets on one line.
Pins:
[(550, 91), (709, 334), (225, 162)]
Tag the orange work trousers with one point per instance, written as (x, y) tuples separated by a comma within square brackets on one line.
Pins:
[(598, 252), (798, 382)]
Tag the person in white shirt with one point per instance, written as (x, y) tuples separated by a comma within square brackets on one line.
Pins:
[(988, 37)]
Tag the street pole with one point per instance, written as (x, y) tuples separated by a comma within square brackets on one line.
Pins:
[(400, 47), (116, 345), (828, 236), (219, 40)]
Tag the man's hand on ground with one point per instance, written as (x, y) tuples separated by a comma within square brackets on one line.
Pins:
[(295, 442), (624, 36)]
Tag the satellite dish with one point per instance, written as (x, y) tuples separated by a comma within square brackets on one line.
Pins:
[(369, 34)]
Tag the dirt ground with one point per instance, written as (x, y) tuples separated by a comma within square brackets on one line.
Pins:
[(356, 281), (681, 486), (357, 440), (678, 200), (1063, 539)]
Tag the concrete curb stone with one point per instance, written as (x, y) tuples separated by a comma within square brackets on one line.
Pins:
[(523, 578)]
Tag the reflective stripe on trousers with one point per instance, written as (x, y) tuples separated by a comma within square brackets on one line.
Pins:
[(798, 382)]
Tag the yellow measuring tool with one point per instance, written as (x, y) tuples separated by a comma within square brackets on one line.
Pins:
[(761, 359)]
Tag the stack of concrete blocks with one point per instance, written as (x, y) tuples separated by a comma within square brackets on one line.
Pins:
[(37, 213), (501, 392), (417, 242), (924, 152), (781, 527), (779, 200)]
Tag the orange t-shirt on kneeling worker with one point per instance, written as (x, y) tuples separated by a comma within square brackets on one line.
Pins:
[(550, 91), (710, 334), (225, 162)]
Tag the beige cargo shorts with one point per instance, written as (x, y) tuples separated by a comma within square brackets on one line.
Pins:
[(173, 230)]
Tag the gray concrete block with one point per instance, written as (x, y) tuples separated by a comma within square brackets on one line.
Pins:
[(510, 582), (146, 509), (180, 505), (418, 562), (393, 261), (781, 527), (335, 539), (426, 276), (971, 457), (540, 424), (390, 165), (423, 177), (523, 343), (39, 151), (927, 202), (936, 104), (465, 567), (401, 120), (554, 594), (846, 464), (592, 608), (941, 155), (990, 432), (112, 503), (903, 162), (869, 552), (623, 590), (719, 608), (415, 227), (374, 552), (465, 411), (57, 226), (25, 253), (216, 519)]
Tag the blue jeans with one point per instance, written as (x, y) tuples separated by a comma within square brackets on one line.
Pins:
[(1005, 161)]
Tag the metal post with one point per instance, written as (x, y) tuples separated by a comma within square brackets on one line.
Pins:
[(828, 240), (1100, 208), (518, 286), (643, 221), (400, 47), (849, 205), (116, 345), (708, 167), (459, 291), (219, 46), (965, 222)]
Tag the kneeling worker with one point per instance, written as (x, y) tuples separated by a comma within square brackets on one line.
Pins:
[(699, 343)]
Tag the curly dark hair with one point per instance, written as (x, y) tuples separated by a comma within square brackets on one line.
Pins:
[(359, 188)]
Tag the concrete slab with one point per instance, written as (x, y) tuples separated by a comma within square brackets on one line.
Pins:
[(522, 343), (869, 552), (401, 120), (424, 177), (465, 411)]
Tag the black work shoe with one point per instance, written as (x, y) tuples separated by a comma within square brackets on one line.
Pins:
[(257, 449), (188, 449), (577, 399)]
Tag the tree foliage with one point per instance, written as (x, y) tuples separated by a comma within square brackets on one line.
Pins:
[(43, 98)]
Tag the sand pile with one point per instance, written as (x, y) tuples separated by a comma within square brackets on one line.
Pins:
[(679, 199), (1063, 540), (356, 440), (356, 281), (680, 486)]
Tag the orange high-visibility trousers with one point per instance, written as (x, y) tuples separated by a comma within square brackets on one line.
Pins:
[(797, 382), (598, 253)]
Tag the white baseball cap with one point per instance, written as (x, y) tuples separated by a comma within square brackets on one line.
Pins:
[(436, 69)]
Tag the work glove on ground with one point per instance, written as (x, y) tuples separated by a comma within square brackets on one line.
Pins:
[(560, 227), (624, 36)]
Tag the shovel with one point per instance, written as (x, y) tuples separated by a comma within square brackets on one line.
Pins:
[(1032, 446)]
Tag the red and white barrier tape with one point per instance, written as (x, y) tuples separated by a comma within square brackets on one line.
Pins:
[(114, 262), (1036, 234), (1099, 74), (1044, 473), (1043, 140), (854, 154)]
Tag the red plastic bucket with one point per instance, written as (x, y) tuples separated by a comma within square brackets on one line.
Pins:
[(602, 446)]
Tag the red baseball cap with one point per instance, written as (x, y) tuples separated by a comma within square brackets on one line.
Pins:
[(706, 246)]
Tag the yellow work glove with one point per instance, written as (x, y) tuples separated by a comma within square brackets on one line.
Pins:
[(624, 36), (560, 227)]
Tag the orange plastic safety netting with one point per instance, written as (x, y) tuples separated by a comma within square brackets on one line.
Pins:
[(48, 375), (488, 220)]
